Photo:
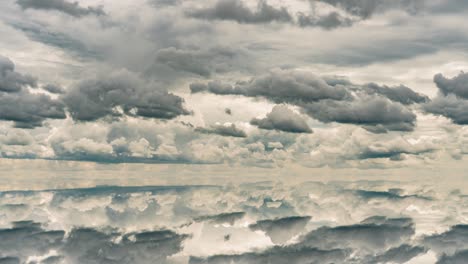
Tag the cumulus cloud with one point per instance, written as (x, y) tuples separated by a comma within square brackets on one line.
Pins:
[(70, 8), (278, 86), (373, 112), (28, 110), (378, 109), (236, 10), (282, 229), (373, 234), (26, 239), (400, 94), (283, 119), (223, 130), (452, 99), (12, 81), (121, 93)]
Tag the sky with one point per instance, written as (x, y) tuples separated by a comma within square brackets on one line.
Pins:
[(283, 89), (233, 131)]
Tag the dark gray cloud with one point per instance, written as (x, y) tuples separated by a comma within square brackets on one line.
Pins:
[(88, 245), (449, 242), (373, 234), (390, 194), (279, 86), (452, 99), (29, 110), (400, 94), (401, 254), (199, 62), (279, 255), (374, 113), (121, 93), (449, 106), (224, 218), (18, 104), (283, 119), (9, 260), (235, 10), (458, 85), (12, 81), (280, 230), (26, 239), (377, 108), (457, 258), (70, 8), (330, 21), (223, 130), (367, 8), (52, 88)]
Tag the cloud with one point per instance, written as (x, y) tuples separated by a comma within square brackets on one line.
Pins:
[(367, 8), (282, 86), (121, 93), (223, 130), (376, 108), (458, 85), (72, 9), (28, 110), (283, 119), (401, 254), (372, 234), (224, 218), (235, 10), (27, 238), (21, 106), (88, 245), (280, 230), (374, 113), (52, 88), (9, 260), (452, 100), (449, 242), (278, 255), (400, 94), (12, 81), (449, 106), (395, 149), (16, 137), (330, 21), (457, 258)]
